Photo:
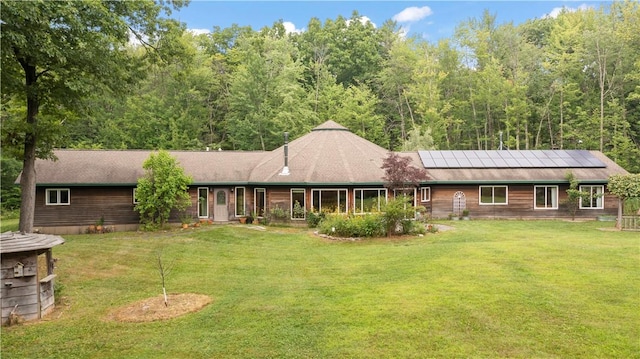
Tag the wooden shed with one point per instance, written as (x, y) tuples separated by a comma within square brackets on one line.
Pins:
[(27, 264)]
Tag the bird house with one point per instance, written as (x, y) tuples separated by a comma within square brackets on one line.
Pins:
[(18, 270)]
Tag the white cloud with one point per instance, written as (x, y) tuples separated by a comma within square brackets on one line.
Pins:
[(199, 31), (290, 28), (412, 14), (364, 20), (558, 10)]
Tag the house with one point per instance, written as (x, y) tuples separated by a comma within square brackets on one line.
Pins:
[(27, 275), (329, 169)]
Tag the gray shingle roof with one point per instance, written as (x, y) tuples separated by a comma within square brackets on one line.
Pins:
[(13, 242), (330, 154)]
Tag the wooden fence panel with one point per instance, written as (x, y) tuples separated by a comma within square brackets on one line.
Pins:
[(630, 223)]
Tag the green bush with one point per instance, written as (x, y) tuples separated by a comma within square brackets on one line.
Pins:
[(341, 225), (276, 214), (314, 219), (372, 225), (396, 212), (412, 227)]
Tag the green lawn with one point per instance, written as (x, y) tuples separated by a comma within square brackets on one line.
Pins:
[(488, 289), (8, 224)]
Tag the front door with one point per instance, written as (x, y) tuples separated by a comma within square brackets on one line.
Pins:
[(221, 208)]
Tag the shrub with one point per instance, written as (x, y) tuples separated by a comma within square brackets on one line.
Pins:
[(412, 227), (298, 210), (341, 225), (314, 219), (372, 225), (395, 212), (277, 214)]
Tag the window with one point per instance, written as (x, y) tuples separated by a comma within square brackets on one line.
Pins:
[(329, 200), (297, 203), (240, 198), (493, 195), (259, 206), (425, 194), (135, 196), (58, 197), (546, 197), (369, 200), (221, 198), (595, 199), (203, 202)]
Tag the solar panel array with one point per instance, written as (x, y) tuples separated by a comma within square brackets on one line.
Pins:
[(510, 159)]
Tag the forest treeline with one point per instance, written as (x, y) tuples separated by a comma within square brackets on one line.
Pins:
[(569, 82)]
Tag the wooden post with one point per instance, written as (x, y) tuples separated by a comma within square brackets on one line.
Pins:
[(619, 220)]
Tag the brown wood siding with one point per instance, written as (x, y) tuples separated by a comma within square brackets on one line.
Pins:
[(87, 205), (520, 204), (279, 196)]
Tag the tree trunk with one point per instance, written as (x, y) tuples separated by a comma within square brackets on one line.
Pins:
[(619, 219), (28, 178), (561, 116)]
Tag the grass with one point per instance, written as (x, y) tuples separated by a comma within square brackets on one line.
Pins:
[(9, 223), (517, 289)]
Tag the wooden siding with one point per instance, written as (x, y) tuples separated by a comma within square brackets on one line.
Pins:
[(279, 197), (20, 293), (520, 204), (87, 205)]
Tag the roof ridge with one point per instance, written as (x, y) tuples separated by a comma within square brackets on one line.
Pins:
[(330, 125)]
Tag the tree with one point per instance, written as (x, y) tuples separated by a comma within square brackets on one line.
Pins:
[(163, 188), (418, 140), (574, 195), (400, 176), (265, 94), (54, 53), (9, 192), (163, 269), (394, 81), (624, 187)]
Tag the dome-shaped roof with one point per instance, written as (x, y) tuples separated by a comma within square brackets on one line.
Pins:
[(329, 154)]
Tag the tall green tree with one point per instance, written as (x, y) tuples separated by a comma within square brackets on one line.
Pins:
[(163, 188), (55, 53), (394, 81), (266, 97), (9, 192)]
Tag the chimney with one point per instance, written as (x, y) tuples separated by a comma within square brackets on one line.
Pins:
[(285, 169)]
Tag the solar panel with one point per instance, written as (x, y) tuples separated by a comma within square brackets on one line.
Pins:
[(464, 162), (510, 159)]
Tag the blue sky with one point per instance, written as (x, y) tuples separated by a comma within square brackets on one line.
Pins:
[(430, 20)]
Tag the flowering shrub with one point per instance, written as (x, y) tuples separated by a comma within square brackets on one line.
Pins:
[(341, 225)]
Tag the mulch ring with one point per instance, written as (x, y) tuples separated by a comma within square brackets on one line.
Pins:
[(152, 309)]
